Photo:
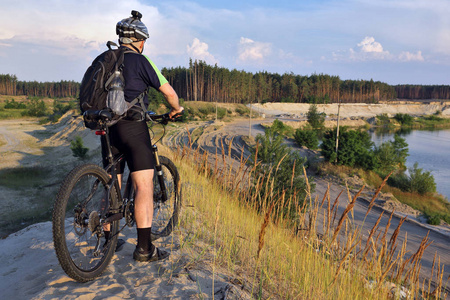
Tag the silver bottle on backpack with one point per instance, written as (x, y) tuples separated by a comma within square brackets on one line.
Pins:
[(116, 97)]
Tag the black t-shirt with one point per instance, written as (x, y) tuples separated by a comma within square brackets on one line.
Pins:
[(140, 73)]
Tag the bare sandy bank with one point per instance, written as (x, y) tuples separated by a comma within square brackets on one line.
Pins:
[(348, 110)]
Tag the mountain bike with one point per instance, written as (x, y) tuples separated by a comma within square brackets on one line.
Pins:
[(90, 198)]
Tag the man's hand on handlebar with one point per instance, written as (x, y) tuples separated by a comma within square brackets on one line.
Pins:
[(176, 113)]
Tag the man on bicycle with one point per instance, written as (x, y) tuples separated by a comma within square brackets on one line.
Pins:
[(132, 137)]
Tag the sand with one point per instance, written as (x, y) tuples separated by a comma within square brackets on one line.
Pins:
[(30, 270), (356, 110)]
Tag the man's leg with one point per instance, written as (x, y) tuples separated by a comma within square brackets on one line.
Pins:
[(143, 199), (143, 213)]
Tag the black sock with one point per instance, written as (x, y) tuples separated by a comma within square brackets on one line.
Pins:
[(144, 239), (107, 234)]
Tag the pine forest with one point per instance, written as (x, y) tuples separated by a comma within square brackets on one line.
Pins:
[(203, 82)]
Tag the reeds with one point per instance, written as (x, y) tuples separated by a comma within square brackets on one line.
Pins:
[(293, 259)]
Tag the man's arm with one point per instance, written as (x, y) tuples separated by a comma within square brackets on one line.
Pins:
[(171, 97)]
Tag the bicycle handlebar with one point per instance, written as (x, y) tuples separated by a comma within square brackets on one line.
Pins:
[(164, 118), (106, 115)]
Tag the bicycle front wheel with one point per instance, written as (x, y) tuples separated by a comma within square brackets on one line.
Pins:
[(78, 212), (165, 213)]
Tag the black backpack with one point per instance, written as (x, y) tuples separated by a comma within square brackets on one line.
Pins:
[(104, 77)]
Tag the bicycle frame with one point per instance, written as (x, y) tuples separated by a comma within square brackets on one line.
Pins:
[(119, 212)]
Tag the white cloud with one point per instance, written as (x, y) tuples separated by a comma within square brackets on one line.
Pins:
[(368, 44), (74, 32), (199, 50), (408, 56), (250, 50), (78, 31), (369, 49)]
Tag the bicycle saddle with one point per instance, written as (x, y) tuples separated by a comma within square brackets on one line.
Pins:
[(97, 115)]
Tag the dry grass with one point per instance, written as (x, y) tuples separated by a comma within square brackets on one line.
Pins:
[(287, 258)]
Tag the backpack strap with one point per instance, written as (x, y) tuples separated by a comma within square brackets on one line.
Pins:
[(137, 112), (109, 44), (139, 99), (118, 66)]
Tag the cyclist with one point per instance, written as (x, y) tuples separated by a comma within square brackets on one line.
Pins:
[(131, 137)]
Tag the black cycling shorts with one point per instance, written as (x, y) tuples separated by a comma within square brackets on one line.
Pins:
[(132, 139)]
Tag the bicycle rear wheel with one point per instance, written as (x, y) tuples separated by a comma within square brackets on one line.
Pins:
[(165, 213), (78, 210)]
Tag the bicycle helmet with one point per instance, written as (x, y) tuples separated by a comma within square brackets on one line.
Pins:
[(132, 29)]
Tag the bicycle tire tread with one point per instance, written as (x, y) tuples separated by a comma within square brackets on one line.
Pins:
[(58, 217)]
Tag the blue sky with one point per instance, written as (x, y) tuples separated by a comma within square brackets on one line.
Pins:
[(393, 41)]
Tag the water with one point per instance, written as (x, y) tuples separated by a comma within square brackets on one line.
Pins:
[(430, 149)]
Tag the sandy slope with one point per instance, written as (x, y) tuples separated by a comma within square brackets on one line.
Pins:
[(29, 144), (30, 270), (348, 110)]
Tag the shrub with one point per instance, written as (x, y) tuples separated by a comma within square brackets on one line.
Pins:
[(434, 219), (282, 128), (207, 109), (315, 119), (433, 118), (403, 119), (275, 165), (36, 108), (242, 110), (78, 149), (59, 109), (221, 113), (421, 182), (354, 148), (384, 119), (14, 105), (391, 155), (399, 180), (307, 138)]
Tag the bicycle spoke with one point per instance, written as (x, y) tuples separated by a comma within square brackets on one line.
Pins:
[(77, 223)]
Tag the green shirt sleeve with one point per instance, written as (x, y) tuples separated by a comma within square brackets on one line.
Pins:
[(161, 78)]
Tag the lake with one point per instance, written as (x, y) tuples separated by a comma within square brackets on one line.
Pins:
[(430, 148)]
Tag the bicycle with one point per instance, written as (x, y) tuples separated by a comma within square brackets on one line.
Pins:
[(90, 197)]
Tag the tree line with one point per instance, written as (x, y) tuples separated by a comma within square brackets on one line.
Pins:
[(9, 85), (202, 82), (423, 91)]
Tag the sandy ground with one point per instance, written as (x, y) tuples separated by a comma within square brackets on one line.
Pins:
[(26, 143), (30, 270), (355, 109)]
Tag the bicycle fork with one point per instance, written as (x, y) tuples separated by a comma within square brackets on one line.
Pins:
[(159, 174)]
